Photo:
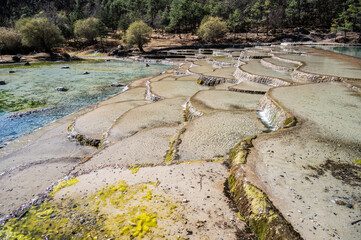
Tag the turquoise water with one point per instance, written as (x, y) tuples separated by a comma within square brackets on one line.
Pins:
[(36, 84), (354, 51)]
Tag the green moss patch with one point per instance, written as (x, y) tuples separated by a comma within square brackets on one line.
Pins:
[(259, 213), (11, 103), (240, 152)]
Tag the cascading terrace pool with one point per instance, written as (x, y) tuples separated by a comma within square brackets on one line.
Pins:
[(354, 51), (34, 87)]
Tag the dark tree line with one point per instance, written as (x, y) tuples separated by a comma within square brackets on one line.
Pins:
[(186, 15)]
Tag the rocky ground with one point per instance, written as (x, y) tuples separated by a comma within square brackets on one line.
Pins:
[(156, 159)]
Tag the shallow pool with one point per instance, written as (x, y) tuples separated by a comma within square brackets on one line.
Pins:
[(354, 51), (34, 87)]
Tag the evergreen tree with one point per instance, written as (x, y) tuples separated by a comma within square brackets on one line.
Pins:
[(349, 19)]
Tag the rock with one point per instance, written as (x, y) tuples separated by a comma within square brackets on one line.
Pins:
[(114, 52), (61, 89), (65, 67), (349, 205), (2, 82), (66, 56), (16, 58), (85, 73), (147, 65), (11, 71), (116, 84), (27, 64)]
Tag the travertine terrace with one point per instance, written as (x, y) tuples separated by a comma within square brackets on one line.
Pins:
[(249, 143)]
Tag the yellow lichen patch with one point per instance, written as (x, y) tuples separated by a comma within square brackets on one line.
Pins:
[(38, 222), (63, 184), (219, 160), (140, 225), (357, 161), (241, 217), (71, 126), (134, 170), (149, 195), (109, 191), (117, 211)]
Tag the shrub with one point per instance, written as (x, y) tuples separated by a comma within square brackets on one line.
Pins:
[(89, 28), (39, 33), (138, 34), (212, 28), (10, 40)]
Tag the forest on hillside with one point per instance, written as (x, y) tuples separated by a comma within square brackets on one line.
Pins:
[(40, 25), (186, 15)]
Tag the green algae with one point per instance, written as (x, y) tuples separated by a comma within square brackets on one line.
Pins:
[(288, 121), (11, 103), (258, 212), (258, 201)]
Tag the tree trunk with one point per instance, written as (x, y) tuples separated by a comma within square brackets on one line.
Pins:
[(140, 48), (344, 36)]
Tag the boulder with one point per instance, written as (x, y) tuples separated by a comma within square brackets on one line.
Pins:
[(2, 82), (27, 64), (61, 89), (16, 58), (114, 52), (11, 71), (66, 56), (65, 67), (85, 73)]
